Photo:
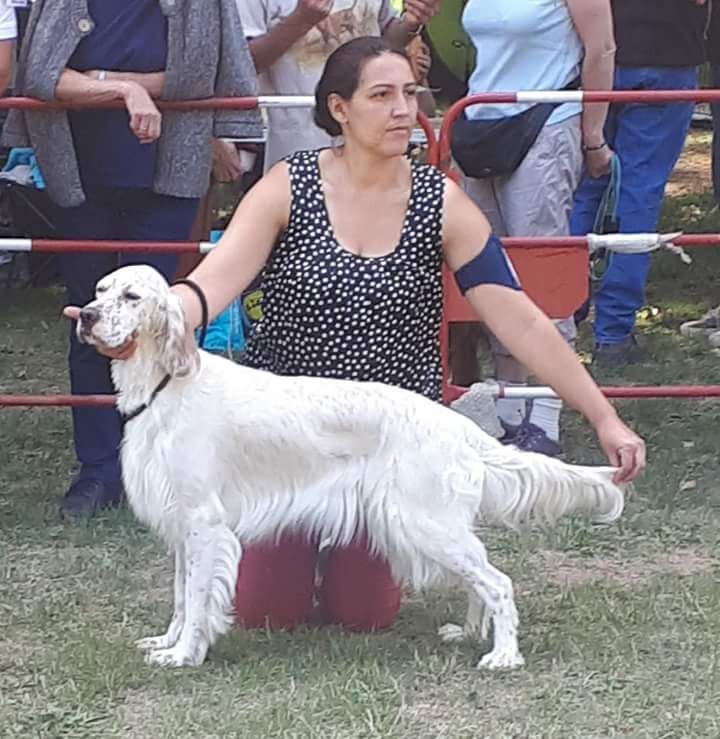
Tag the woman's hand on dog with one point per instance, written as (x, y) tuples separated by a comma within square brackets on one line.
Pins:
[(122, 352), (623, 447)]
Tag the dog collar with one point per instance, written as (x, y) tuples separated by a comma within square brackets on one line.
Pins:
[(125, 417)]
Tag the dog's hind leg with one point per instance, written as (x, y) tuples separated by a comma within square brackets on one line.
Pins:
[(491, 598), (212, 557), (170, 637), (477, 623)]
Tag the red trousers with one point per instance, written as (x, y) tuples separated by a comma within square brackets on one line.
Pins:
[(276, 587)]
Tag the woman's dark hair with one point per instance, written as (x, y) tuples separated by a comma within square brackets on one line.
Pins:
[(341, 75)]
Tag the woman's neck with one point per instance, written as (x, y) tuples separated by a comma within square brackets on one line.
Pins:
[(368, 171)]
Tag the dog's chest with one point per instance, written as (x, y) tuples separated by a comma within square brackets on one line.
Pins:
[(149, 486)]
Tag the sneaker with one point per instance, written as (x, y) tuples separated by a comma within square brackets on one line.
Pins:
[(706, 326), (619, 354), (87, 496), (531, 438), (511, 432)]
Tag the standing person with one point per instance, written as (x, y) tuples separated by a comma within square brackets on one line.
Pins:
[(123, 174), (8, 33), (537, 45), (361, 299), (660, 45), (713, 57), (290, 41)]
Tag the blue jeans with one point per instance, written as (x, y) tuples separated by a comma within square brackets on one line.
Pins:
[(648, 139), (715, 107), (110, 213)]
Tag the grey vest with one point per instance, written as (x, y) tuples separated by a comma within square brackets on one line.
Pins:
[(207, 56)]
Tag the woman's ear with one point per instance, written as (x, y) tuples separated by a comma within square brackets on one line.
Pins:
[(337, 108), (178, 353)]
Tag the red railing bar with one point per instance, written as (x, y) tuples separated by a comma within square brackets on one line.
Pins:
[(455, 391), (180, 247)]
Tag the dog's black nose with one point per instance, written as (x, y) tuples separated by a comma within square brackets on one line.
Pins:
[(89, 317)]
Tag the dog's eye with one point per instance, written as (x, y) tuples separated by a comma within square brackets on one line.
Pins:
[(132, 296), (101, 289)]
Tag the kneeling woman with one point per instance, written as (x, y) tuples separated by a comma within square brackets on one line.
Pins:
[(352, 242)]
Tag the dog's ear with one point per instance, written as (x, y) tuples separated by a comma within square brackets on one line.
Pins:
[(179, 353)]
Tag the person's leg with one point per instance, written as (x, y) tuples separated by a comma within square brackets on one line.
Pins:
[(649, 140), (96, 430), (358, 591), (147, 216), (510, 411), (715, 108), (275, 584), (536, 201)]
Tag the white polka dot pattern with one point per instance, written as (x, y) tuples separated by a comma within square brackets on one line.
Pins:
[(330, 313)]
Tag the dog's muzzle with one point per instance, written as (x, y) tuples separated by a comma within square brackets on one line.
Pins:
[(88, 318)]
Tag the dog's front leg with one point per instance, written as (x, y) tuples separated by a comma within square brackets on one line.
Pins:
[(170, 637), (212, 554)]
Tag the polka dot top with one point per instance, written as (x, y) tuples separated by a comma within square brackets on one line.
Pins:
[(330, 313)]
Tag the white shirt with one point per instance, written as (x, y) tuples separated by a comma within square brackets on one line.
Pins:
[(298, 71), (522, 45), (8, 23)]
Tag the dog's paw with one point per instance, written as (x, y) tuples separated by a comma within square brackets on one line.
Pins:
[(452, 633), (173, 657), (164, 641), (501, 659)]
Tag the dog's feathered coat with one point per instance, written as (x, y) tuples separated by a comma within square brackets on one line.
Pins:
[(227, 455)]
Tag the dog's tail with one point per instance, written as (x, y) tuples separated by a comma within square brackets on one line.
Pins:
[(521, 487)]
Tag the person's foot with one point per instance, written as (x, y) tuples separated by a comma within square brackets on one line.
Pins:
[(87, 496), (511, 432), (708, 326), (531, 438), (617, 355)]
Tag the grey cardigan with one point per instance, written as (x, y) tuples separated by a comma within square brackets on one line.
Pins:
[(207, 56)]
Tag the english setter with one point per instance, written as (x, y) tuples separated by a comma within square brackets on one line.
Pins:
[(225, 455)]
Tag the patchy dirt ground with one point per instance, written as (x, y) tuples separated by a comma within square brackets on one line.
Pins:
[(692, 173)]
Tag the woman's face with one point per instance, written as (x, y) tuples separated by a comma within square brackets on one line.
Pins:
[(382, 112)]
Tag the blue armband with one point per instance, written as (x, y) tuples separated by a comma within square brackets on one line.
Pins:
[(490, 267)]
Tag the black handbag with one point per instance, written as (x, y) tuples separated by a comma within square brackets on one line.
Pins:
[(491, 148)]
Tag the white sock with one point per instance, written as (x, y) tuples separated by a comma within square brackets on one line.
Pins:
[(511, 410), (545, 413)]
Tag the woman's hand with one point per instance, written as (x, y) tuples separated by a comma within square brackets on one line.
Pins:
[(623, 448), (145, 118), (598, 161), (122, 352), (226, 164), (420, 59)]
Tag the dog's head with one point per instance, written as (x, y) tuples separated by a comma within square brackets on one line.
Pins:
[(136, 302)]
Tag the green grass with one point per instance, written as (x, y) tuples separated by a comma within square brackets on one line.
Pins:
[(619, 625)]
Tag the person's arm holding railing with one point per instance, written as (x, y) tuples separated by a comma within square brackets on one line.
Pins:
[(145, 118)]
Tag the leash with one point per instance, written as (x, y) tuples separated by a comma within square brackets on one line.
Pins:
[(606, 218), (127, 417)]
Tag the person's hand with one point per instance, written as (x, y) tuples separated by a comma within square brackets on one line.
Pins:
[(598, 161), (420, 59), (623, 447), (145, 118), (122, 352), (418, 12), (226, 164), (312, 12)]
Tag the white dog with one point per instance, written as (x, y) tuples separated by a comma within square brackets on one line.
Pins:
[(224, 455)]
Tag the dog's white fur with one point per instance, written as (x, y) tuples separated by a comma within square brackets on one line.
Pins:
[(228, 455)]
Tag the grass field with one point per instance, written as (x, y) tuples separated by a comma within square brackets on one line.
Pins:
[(619, 625)]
